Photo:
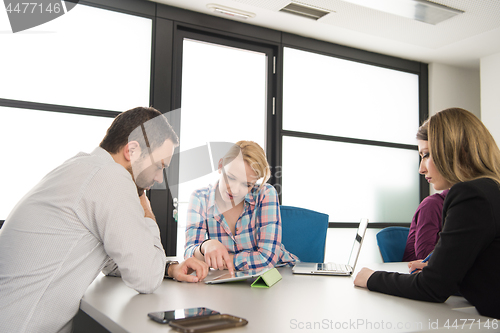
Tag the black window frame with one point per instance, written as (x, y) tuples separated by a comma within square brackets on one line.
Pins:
[(364, 57), (164, 80), (133, 7)]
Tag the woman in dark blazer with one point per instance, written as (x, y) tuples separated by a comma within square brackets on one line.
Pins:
[(463, 156)]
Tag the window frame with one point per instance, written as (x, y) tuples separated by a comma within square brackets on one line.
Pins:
[(136, 8), (183, 31), (364, 57), (165, 20)]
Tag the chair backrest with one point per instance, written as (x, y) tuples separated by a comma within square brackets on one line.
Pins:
[(392, 242), (304, 233)]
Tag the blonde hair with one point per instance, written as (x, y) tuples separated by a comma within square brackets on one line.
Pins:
[(254, 155), (461, 146)]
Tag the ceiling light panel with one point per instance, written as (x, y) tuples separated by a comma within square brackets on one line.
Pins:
[(479, 17), (420, 10)]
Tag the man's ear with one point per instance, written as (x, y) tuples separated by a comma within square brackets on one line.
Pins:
[(132, 149)]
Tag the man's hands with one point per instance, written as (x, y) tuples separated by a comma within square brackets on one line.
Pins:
[(216, 255), (182, 271)]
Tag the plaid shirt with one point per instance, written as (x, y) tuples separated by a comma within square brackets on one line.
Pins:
[(257, 243)]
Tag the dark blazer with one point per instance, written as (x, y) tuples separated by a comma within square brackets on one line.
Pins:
[(467, 256)]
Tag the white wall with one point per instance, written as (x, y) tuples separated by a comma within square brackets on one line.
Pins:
[(451, 86), (490, 94)]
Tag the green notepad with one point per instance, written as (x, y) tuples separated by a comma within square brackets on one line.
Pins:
[(268, 279)]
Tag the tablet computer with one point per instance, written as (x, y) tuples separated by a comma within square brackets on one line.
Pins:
[(222, 276)]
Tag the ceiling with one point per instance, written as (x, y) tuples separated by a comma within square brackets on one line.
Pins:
[(459, 41)]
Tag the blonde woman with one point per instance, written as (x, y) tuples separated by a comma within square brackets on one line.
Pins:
[(463, 156), (235, 224)]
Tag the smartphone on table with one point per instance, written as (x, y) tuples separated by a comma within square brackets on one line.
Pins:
[(204, 324), (164, 317)]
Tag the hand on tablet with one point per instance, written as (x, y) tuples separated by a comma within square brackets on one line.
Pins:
[(216, 255), (231, 260), (182, 271)]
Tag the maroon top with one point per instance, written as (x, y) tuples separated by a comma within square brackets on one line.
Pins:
[(425, 227)]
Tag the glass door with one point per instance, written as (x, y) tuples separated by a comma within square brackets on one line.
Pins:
[(225, 95)]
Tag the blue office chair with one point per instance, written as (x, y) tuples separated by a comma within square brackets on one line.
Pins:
[(392, 242), (304, 233)]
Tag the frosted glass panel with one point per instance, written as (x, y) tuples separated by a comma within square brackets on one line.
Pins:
[(89, 57), (337, 97), (350, 181), (223, 99), (35, 142)]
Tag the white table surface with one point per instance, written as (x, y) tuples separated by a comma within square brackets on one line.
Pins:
[(298, 303)]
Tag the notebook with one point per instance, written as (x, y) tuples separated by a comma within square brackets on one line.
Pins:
[(331, 268)]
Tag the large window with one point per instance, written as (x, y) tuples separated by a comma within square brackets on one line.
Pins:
[(337, 123), (38, 141), (332, 96), (349, 138), (349, 181), (61, 85), (89, 57)]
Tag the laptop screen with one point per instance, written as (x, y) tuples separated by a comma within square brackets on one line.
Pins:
[(356, 247)]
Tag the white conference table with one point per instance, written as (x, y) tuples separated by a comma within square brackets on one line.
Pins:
[(296, 303)]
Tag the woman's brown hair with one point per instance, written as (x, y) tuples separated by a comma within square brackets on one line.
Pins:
[(461, 146)]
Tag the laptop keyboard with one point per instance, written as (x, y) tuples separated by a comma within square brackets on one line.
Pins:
[(330, 266)]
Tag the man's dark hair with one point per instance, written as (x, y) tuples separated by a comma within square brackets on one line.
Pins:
[(158, 131)]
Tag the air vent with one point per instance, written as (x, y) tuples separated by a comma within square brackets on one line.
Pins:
[(304, 11)]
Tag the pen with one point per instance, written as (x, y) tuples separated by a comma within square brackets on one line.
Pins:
[(425, 260)]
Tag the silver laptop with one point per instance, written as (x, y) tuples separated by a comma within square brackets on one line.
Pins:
[(331, 268)]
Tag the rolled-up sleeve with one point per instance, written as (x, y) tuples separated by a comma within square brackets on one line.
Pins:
[(196, 228)]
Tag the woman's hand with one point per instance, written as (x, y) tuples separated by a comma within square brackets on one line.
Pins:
[(216, 255), (361, 279), (416, 266)]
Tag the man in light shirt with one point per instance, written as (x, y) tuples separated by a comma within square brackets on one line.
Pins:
[(89, 215)]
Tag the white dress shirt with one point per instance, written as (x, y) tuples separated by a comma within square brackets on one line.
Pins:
[(63, 232)]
